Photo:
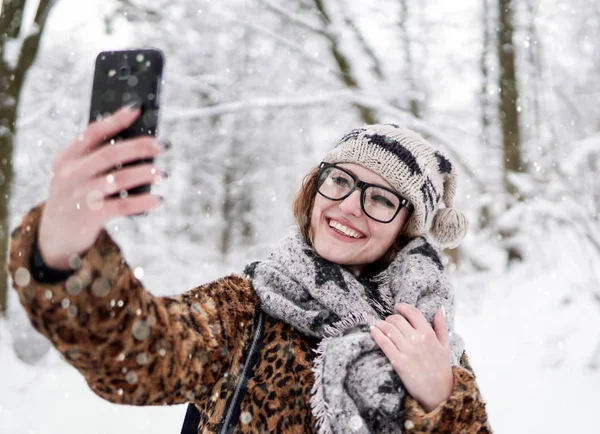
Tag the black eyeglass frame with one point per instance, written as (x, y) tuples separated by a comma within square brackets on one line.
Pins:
[(404, 203)]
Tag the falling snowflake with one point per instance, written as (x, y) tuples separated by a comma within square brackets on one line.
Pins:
[(138, 272), (74, 285), (22, 276), (142, 359), (75, 262), (131, 377), (141, 330), (72, 311), (246, 417), (356, 422), (101, 287)]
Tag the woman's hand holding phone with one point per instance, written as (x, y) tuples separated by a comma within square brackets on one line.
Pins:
[(79, 202)]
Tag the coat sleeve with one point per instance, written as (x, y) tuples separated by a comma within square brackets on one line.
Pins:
[(131, 347), (463, 412)]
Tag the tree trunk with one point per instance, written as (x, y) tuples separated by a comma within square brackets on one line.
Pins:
[(509, 95), (12, 77), (414, 103), (535, 68), (508, 110), (485, 213), (344, 66)]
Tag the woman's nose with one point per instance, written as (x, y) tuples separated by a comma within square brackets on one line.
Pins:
[(351, 205)]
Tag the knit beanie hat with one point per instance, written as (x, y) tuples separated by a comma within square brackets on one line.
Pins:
[(416, 170)]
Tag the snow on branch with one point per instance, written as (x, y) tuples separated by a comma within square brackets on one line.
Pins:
[(582, 150), (337, 97), (258, 103)]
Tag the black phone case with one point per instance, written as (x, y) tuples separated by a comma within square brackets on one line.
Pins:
[(126, 77)]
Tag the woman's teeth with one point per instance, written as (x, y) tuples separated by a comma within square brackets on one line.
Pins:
[(343, 229)]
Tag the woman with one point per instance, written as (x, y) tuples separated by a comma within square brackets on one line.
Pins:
[(241, 348)]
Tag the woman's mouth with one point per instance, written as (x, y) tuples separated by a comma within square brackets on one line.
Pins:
[(344, 230)]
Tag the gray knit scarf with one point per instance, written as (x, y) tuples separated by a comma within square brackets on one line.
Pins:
[(356, 389)]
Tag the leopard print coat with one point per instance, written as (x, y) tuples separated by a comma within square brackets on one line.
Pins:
[(134, 348)]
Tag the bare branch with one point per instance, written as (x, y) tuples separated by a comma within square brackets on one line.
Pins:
[(31, 43), (295, 18), (410, 121), (377, 70), (135, 12), (288, 43), (11, 19), (344, 64)]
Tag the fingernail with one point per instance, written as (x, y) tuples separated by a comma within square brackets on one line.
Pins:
[(133, 106), (371, 327), (444, 311)]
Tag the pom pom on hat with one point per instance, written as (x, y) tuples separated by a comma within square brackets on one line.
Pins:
[(449, 228)]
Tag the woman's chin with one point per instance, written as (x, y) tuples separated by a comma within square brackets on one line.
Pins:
[(332, 254), (337, 248)]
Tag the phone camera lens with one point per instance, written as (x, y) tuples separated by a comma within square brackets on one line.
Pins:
[(123, 73)]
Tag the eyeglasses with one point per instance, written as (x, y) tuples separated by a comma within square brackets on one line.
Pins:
[(379, 203)]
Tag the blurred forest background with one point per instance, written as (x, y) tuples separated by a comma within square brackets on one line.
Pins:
[(255, 91)]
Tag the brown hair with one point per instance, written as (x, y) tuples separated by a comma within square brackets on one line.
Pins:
[(302, 209)]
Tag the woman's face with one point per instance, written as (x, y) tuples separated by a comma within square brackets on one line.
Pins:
[(342, 233)]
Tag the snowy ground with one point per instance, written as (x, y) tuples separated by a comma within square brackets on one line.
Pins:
[(530, 337), (532, 353)]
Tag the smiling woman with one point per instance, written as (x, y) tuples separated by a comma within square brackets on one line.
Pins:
[(344, 328), (343, 215)]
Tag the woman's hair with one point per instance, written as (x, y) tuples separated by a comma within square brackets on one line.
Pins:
[(302, 209)]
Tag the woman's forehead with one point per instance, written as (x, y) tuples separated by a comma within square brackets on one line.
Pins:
[(365, 174)]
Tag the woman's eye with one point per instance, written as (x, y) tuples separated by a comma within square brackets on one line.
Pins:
[(341, 181), (382, 200)]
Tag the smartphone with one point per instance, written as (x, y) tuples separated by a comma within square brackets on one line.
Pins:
[(126, 77)]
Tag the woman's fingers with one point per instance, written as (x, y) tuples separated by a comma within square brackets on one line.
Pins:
[(130, 205), (419, 354), (77, 199), (96, 134), (441, 328), (402, 325), (125, 179), (414, 316), (389, 347), (398, 331), (110, 156)]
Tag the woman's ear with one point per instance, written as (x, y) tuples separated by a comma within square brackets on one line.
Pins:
[(405, 225)]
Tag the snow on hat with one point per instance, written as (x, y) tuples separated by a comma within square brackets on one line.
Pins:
[(416, 170)]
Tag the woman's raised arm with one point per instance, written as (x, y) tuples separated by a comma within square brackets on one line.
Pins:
[(131, 347)]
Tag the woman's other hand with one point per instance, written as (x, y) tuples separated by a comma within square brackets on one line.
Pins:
[(419, 353), (78, 205)]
